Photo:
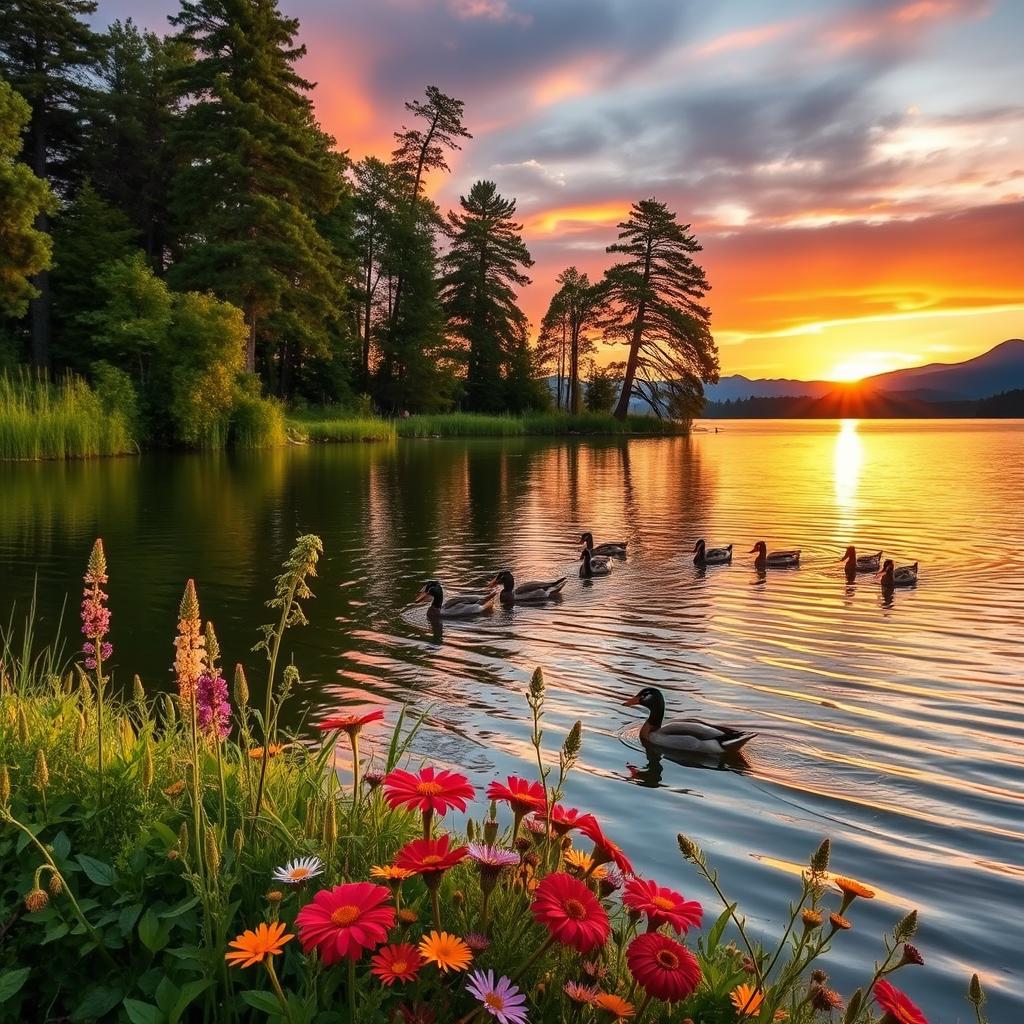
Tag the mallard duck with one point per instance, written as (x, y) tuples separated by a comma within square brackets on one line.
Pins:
[(612, 547), (690, 735), (711, 556), (593, 565), (775, 560), (532, 591), (892, 575), (460, 606), (861, 563)]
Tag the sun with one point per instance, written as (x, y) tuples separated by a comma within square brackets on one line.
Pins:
[(852, 370)]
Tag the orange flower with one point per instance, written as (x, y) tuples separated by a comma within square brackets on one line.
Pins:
[(851, 887), (449, 952), (746, 1000), (396, 963), (256, 753), (583, 862), (615, 1005), (811, 918), (252, 946), (390, 873), (839, 923)]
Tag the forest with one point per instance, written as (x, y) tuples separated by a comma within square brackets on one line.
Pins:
[(187, 249)]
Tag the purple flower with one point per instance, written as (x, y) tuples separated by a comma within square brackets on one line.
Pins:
[(501, 1000), (95, 614), (213, 709), (493, 857)]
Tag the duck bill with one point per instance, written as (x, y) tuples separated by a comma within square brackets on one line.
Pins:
[(754, 551), (422, 596), (631, 702)]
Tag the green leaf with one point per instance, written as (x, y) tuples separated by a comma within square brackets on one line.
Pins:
[(166, 833), (61, 846), (180, 908), (187, 994), (166, 994), (11, 982), (57, 930), (127, 918), (97, 872), (97, 1002), (265, 1001), (152, 932), (143, 1013), (715, 935)]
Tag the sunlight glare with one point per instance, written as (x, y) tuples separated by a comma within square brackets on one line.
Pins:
[(846, 463)]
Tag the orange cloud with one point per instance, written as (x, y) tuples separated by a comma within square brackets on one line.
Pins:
[(745, 39), (586, 216)]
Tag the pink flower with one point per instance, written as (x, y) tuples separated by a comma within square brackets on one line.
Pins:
[(213, 709), (95, 614)]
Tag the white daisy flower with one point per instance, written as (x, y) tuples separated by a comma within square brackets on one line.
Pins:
[(298, 871)]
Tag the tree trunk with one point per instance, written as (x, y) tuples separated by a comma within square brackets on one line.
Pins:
[(561, 365), (622, 408)]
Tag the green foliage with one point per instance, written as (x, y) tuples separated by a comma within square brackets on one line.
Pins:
[(602, 390), (116, 394), (256, 422), (24, 251), (67, 420)]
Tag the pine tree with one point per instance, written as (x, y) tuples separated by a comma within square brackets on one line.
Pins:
[(571, 317), (46, 52), (482, 272), (24, 250), (653, 305), (255, 172)]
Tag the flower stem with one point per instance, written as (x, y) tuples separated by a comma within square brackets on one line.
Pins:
[(352, 991), (276, 985)]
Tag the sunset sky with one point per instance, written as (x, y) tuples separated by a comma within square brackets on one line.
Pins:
[(853, 168)]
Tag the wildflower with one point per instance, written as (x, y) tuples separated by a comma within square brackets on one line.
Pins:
[(427, 791), (749, 967), (5, 785), (570, 912), (500, 999), (95, 614), (400, 962), (252, 946), (911, 955), (688, 848), (341, 922), (36, 900), (407, 916), (839, 923), (535, 825), (594, 968), (906, 927), (56, 886), (211, 850), (189, 646), (241, 687), (818, 976), (477, 942), (565, 819), (746, 1000), (615, 1005), (256, 753), (491, 859), (391, 873), (663, 968), (604, 849), (811, 918), (851, 889), (298, 871), (175, 789), (350, 724), (429, 856), (578, 993), (662, 906), (898, 1009), (274, 896), (213, 710), (373, 778), (41, 771), (820, 857), (448, 952), (611, 881), (582, 862), (975, 993), (147, 765), (826, 999), (521, 795)]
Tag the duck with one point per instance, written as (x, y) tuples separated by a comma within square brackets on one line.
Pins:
[(530, 592), (775, 560), (711, 556), (861, 563), (892, 575), (593, 565), (612, 547), (691, 735), (460, 606)]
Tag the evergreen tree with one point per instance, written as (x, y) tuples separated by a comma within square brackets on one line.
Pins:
[(255, 172), (571, 317), (482, 272), (653, 305), (24, 250), (46, 52), (602, 389), (130, 159)]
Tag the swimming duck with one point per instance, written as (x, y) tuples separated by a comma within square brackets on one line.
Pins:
[(593, 566), (711, 556), (861, 563), (775, 560), (901, 576), (691, 734), (460, 606), (612, 547), (532, 591)]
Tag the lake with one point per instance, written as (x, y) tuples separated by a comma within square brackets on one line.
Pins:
[(895, 727)]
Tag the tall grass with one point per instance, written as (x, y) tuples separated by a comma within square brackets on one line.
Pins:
[(328, 427), (256, 422), (63, 420)]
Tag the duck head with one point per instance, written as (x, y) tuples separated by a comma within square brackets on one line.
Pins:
[(698, 547), (850, 555), (760, 549), (431, 591), (587, 538), (887, 571), (504, 579), (653, 699)]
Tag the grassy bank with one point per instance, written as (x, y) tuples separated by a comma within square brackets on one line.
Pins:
[(181, 858), (66, 420)]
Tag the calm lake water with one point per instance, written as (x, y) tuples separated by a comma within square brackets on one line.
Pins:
[(895, 728)]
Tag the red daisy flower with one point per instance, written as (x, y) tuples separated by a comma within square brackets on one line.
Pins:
[(429, 856), (663, 968), (341, 922), (565, 819), (352, 724), (400, 962), (898, 1008), (427, 791), (604, 849), (662, 906), (570, 912), (521, 795)]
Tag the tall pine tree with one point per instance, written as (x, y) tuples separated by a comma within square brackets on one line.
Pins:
[(47, 52), (565, 330), (255, 172), (482, 272), (654, 306)]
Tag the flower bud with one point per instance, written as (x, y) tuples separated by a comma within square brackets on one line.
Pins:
[(211, 850), (147, 766), (911, 955), (212, 646), (237, 842), (687, 847), (275, 896), (40, 773), (458, 897), (139, 689), (56, 886), (536, 691), (906, 928), (820, 857), (5, 786), (490, 831), (470, 830), (22, 726), (36, 900), (975, 993), (241, 687)]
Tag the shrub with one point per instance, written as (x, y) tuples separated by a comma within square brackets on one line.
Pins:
[(256, 422), (116, 393)]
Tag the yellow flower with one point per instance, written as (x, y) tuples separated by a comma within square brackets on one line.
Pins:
[(746, 1000), (582, 862), (449, 952), (389, 873), (252, 946), (256, 753)]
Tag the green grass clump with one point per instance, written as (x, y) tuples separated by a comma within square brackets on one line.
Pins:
[(257, 422), (354, 428), (65, 420)]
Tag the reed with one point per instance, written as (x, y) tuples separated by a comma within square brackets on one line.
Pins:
[(40, 419), (349, 428)]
